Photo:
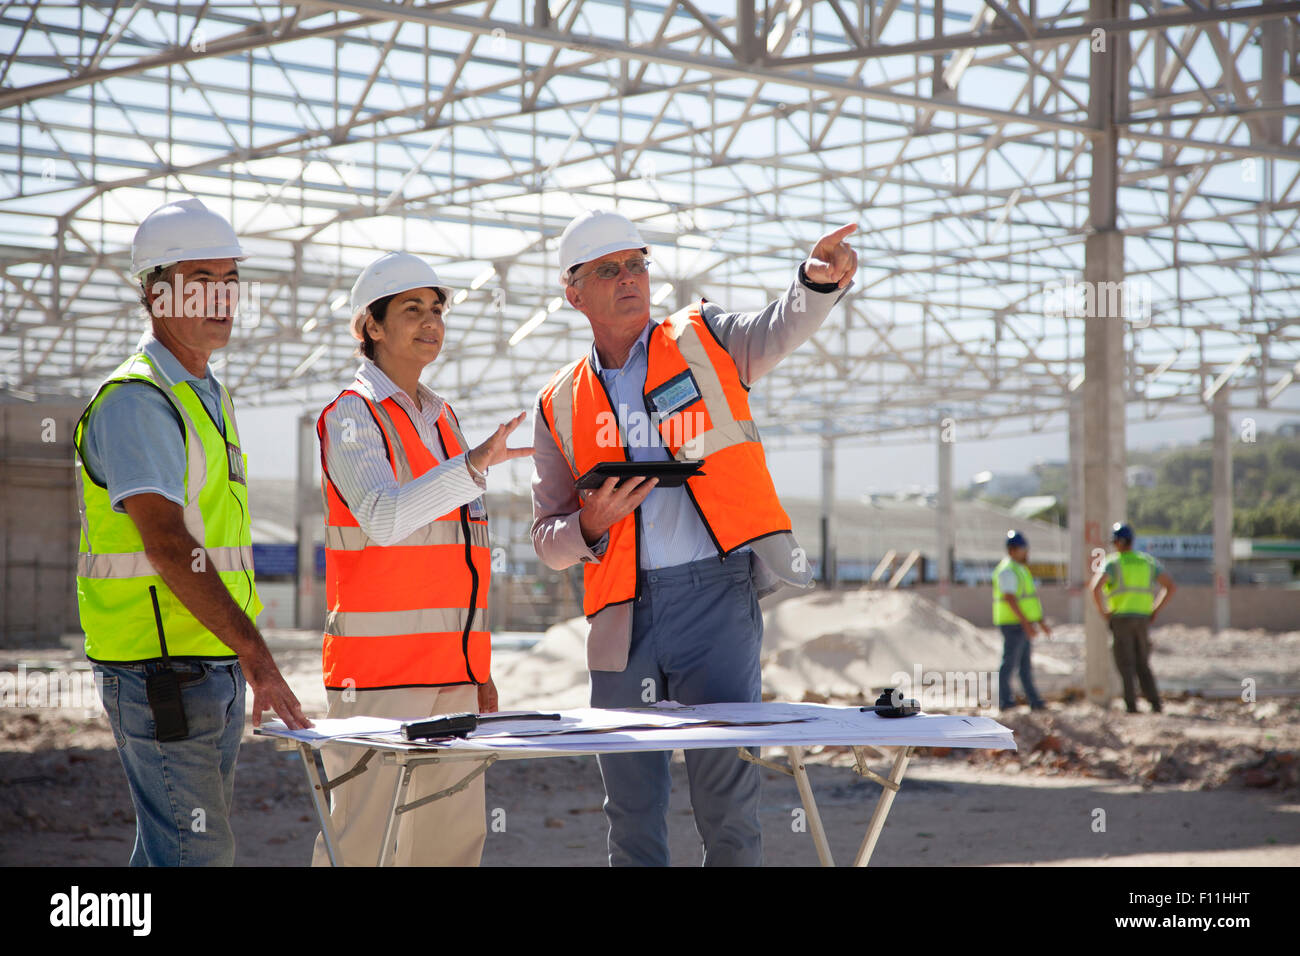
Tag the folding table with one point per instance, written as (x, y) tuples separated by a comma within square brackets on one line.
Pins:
[(667, 726)]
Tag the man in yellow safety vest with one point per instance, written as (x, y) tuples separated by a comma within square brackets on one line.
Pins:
[(165, 570), (1129, 578), (1019, 613)]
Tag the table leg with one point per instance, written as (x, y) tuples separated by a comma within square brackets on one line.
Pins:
[(387, 850), (454, 789), (320, 800), (810, 806), (891, 785)]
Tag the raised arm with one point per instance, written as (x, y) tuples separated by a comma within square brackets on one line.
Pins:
[(758, 341)]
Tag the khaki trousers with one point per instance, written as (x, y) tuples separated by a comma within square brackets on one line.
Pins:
[(446, 832), (1131, 646)]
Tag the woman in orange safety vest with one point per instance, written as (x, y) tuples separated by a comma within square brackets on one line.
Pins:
[(407, 568)]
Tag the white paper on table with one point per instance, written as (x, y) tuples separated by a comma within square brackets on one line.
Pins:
[(592, 720), (769, 724), (585, 719), (329, 728)]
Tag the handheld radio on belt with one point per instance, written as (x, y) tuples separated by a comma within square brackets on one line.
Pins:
[(163, 688)]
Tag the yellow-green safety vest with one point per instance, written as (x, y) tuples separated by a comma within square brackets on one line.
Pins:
[(1026, 596), (1132, 592), (113, 573)]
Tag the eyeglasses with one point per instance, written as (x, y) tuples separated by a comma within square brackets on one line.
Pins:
[(610, 270)]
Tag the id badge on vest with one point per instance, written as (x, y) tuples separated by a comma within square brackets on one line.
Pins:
[(235, 458), (476, 509), (674, 395)]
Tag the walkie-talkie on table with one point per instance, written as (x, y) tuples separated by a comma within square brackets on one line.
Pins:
[(460, 725), (890, 703)]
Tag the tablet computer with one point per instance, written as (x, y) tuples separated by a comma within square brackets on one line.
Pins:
[(671, 474)]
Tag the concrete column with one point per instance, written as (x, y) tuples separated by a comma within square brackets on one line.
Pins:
[(1222, 490), (309, 606), (1078, 575), (828, 508), (501, 593), (1103, 364), (1272, 73), (1103, 444), (748, 45), (682, 287), (500, 295), (945, 531)]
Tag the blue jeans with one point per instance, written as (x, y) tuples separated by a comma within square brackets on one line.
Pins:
[(1016, 655), (696, 635), (182, 790)]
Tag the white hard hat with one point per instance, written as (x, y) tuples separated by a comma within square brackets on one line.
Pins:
[(388, 275), (182, 230), (596, 233)]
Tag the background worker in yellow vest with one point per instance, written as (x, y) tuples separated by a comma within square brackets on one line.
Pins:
[(672, 576), (164, 507), (1128, 579), (1019, 613), (407, 567)]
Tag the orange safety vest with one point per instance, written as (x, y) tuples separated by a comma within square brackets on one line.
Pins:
[(695, 397), (414, 613)]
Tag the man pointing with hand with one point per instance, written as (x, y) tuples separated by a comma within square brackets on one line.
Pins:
[(672, 576)]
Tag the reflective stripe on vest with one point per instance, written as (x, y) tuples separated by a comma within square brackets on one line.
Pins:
[(1026, 595), (704, 415), (135, 564), (113, 572), (1133, 593), (412, 613)]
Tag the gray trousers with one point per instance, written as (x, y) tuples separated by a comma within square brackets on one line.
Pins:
[(697, 631), (1131, 645)]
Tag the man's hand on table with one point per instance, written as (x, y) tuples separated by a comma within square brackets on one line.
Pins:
[(271, 691)]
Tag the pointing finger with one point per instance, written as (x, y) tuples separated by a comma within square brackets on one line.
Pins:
[(833, 239)]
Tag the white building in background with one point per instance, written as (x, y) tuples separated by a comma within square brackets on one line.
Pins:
[(1140, 476), (1005, 484)]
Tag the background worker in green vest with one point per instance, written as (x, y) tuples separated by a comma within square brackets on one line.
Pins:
[(164, 515), (1129, 578), (1019, 613)]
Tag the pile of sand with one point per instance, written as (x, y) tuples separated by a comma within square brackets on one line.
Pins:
[(851, 644), (551, 674)]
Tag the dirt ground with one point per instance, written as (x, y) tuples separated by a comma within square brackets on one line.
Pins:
[(1213, 780)]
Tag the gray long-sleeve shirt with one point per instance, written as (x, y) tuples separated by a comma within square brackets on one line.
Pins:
[(756, 341)]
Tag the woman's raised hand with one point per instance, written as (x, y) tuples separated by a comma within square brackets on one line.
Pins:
[(494, 450)]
